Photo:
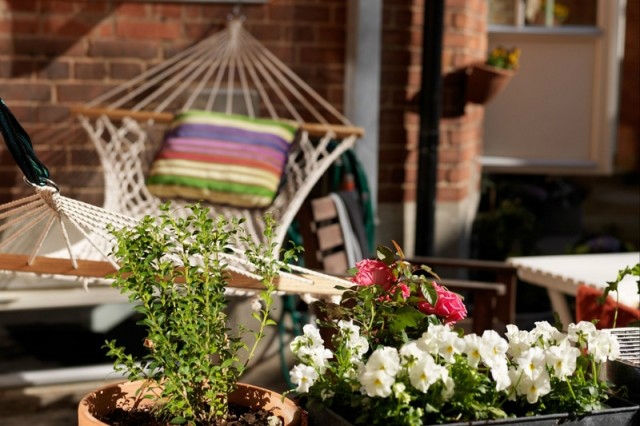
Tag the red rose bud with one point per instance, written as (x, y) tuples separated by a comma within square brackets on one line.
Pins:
[(373, 272), (449, 306)]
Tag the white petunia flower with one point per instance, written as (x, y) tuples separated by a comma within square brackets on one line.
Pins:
[(303, 376), (425, 372), (493, 348), (500, 374), (309, 348), (519, 340), (532, 362), (384, 359), (317, 357), (400, 393), (349, 331), (429, 342), (472, 349), (449, 387), (449, 346), (359, 348), (534, 388), (602, 346), (376, 383), (310, 339), (562, 359), (410, 353), (326, 394), (546, 334), (581, 332)]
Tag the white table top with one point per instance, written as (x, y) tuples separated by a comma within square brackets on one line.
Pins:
[(565, 272)]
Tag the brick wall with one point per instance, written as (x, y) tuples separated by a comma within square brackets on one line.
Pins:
[(56, 54), (461, 129)]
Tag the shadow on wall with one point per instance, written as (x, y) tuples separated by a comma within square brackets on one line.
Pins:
[(50, 41)]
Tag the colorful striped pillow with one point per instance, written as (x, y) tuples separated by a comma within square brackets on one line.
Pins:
[(226, 159)]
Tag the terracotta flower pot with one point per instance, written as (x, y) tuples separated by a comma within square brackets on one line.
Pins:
[(484, 82), (105, 399)]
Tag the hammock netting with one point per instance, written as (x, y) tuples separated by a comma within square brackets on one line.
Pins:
[(229, 72)]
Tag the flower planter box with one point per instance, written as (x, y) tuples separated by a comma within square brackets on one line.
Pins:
[(484, 82), (621, 413), (625, 374)]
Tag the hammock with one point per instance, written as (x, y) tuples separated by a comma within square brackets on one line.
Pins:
[(233, 73), (230, 68)]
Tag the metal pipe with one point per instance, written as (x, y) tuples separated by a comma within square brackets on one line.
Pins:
[(429, 136)]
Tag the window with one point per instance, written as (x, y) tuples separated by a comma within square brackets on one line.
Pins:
[(545, 13), (558, 115)]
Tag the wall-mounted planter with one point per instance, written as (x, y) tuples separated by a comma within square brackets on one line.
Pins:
[(484, 82)]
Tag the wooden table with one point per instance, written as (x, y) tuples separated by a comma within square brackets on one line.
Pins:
[(562, 274)]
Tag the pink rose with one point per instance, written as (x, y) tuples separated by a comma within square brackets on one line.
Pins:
[(373, 272), (403, 289), (449, 306)]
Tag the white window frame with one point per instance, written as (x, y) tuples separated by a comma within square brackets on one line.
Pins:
[(598, 151)]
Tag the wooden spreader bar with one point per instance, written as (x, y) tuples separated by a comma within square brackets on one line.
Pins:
[(314, 129), (307, 284)]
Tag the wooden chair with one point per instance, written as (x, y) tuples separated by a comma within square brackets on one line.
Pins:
[(493, 301)]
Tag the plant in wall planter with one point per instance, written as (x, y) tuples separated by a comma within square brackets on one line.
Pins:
[(624, 372), (486, 80), (395, 359), (176, 270)]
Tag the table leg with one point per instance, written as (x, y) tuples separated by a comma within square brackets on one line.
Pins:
[(560, 306)]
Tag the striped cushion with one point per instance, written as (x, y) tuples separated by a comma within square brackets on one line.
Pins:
[(226, 159)]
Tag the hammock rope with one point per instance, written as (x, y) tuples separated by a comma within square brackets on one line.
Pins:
[(230, 71), (21, 148)]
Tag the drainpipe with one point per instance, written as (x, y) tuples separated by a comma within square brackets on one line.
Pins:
[(429, 136)]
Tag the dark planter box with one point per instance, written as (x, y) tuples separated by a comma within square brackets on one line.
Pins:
[(621, 413)]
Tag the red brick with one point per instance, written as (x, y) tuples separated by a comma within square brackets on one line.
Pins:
[(118, 49), (280, 13), (331, 35), (66, 26), (103, 29), (267, 32), (321, 55), (46, 46), (25, 5), (120, 70), (80, 92), (54, 6), (302, 34), (148, 30), (167, 11), (15, 68), (54, 70), (132, 10), (311, 14), (90, 70), (28, 91), (451, 193), (19, 25), (52, 114)]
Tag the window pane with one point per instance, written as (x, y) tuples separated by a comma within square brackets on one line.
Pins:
[(502, 12), (561, 12)]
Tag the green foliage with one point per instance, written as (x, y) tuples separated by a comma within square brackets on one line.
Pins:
[(613, 286), (501, 57), (175, 270)]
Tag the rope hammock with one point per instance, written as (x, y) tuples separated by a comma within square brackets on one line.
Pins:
[(229, 71)]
